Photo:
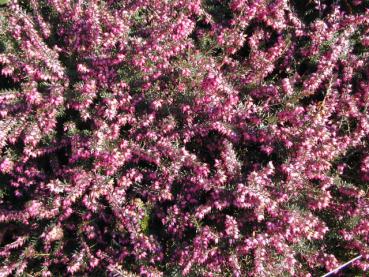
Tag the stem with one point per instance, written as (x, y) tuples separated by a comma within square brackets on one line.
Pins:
[(342, 266)]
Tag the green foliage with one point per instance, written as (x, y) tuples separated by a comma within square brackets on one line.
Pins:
[(2, 194), (145, 223), (219, 10)]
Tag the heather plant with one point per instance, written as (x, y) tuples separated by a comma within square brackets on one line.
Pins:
[(183, 137)]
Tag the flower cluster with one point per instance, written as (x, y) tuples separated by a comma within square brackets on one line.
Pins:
[(183, 137)]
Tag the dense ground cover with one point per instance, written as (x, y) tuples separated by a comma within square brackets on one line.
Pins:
[(184, 137)]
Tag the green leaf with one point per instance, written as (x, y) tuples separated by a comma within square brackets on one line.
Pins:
[(3, 2), (145, 224)]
